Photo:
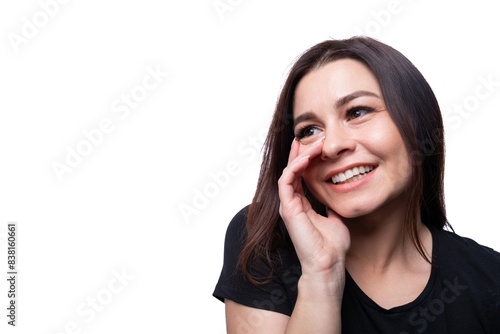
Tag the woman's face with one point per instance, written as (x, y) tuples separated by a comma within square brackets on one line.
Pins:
[(363, 166)]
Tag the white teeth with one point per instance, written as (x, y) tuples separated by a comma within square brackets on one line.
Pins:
[(352, 174), (342, 177)]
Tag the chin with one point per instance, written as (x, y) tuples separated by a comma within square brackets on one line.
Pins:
[(349, 214), (352, 211)]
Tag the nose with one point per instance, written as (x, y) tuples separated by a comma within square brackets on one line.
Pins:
[(338, 142)]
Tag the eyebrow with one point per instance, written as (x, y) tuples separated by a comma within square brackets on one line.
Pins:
[(340, 102), (348, 98)]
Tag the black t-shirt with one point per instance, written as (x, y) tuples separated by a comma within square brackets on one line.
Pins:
[(461, 296)]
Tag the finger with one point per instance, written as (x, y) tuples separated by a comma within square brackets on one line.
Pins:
[(290, 180), (298, 163), (312, 149), (294, 150), (309, 152), (289, 184)]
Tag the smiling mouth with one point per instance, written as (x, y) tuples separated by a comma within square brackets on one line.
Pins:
[(352, 174)]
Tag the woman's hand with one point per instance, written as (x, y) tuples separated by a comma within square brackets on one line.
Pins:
[(321, 242)]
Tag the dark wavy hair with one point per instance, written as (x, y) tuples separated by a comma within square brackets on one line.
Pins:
[(412, 106)]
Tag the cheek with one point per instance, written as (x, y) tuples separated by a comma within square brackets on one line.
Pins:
[(311, 175), (382, 139), (384, 132), (402, 168), (314, 188), (308, 175), (406, 170)]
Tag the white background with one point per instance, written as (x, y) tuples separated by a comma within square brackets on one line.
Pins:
[(118, 210)]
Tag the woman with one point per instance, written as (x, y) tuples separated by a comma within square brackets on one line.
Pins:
[(346, 231)]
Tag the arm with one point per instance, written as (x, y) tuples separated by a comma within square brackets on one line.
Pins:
[(317, 310), (318, 306), (242, 319), (321, 244)]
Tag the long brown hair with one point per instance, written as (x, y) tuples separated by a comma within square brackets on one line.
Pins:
[(413, 108)]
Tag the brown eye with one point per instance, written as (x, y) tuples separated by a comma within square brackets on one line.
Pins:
[(358, 112), (308, 134)]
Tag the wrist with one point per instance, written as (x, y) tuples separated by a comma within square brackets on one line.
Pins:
[(323, 283)]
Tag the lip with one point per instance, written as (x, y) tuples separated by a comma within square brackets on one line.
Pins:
[(334, 172)]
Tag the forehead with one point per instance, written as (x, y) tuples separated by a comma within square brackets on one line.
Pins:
[(335, 80)]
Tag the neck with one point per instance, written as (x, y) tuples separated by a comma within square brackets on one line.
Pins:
[(379, 242)]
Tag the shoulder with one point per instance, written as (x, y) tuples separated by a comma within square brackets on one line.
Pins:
[(238, 221), (470, 273), (236, 231), (466, 248), (280, 290), (464, 259)]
